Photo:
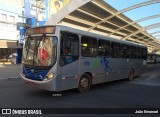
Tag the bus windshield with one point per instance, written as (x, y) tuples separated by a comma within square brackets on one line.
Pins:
[(39, 51)]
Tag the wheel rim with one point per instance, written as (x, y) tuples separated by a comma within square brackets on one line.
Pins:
[(84, 83)]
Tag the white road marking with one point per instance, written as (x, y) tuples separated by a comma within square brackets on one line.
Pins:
[(10, 78), (148, 74), (151, 77), (147, 80)]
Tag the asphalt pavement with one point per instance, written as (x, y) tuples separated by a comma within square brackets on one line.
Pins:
[(10, 71), (143, 92)]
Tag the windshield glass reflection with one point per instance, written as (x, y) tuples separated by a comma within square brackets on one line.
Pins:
[(40, 51)]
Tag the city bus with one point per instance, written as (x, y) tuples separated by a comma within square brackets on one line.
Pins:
[(58, 58)]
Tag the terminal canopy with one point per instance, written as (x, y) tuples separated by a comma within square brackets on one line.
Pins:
[(99, 17)]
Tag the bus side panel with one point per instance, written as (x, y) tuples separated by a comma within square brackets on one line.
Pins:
[(112, 68), (139, 66), (119, 68), (104, 69), (101, 69), (58, 80), (70, 76), (92, 65)]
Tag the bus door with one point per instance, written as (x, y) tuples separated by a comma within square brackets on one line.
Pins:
[(69, 55)]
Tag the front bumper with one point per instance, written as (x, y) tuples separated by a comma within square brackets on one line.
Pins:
[(46, 85)]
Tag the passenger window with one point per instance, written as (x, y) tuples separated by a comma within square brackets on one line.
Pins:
[(88, 46), (69, 48), (103, 48), (116, 50), (138, 53), (133, 52), (125, 51), (144, 53)]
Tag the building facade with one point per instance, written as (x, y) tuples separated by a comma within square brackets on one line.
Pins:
[(10, 10), (14, 12)]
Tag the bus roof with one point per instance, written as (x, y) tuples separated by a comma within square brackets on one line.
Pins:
[(90, 34)]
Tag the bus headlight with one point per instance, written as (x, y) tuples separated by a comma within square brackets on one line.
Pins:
[(50, 75)]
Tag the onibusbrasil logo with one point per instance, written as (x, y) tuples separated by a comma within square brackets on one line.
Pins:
[(20, 111)]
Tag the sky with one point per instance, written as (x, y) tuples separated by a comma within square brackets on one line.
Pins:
[(138, 13)]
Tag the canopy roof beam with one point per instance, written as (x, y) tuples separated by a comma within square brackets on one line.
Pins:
[(124, 10), (149, 27), (134, 22)]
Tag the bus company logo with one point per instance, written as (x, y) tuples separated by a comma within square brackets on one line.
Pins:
[(32, 70), (6, 111)]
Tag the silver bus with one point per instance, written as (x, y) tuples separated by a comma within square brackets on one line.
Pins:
[(57, 58)]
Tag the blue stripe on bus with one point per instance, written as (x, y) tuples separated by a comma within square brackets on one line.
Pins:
[(38, 74)]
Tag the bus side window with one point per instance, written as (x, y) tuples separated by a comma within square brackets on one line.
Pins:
[(116, 50), (103, 48), (125, 51), (69, 48), (138, 52), (88, 46), (144, 53), (133, 52)]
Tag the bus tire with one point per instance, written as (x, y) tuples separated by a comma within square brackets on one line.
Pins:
[(84, 83), (131, 75)]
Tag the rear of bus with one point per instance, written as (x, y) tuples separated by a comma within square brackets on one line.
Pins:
[(39, 58)]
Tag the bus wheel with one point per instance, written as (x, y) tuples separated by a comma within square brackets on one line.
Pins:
[(84, 83), (131, 75)]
